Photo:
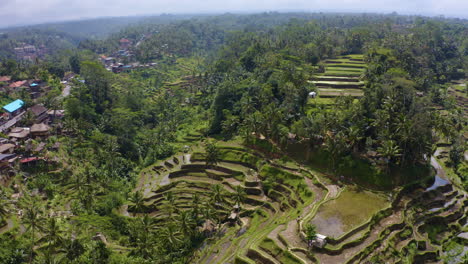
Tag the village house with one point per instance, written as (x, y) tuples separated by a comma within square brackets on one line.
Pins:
[(125, 43), (14, 108), (19, 134), (18, 84), (5, 79), (35, 87), (7, 148), (39, 112), (107, 61), (5, 159), (59, 114), (30, 161), (30, 52), (40, 130), (121, 68)]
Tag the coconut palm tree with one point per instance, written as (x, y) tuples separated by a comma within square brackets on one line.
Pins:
[(4, 207), (239, 195), (354, 136), (209, 213), (48, 258), (212, 154), (144, 233), (390, 151), (171, 236), (195, 207), (138, 201), (53, 235), (170, 206), (217, 194), (336, 146), (186, 223), (72, 248), (33, 221)]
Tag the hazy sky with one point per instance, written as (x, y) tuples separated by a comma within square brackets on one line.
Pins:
[(13, 12)]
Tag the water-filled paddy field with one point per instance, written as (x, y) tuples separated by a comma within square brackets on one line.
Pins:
[(352, 208)]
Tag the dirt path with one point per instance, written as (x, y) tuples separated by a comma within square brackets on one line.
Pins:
[(66, 90), (318, 192), (291, 235), (333, 191)]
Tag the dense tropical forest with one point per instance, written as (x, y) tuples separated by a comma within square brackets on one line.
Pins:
[(260, 138)]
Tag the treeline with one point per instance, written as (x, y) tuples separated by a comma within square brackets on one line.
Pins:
[(259, 85)]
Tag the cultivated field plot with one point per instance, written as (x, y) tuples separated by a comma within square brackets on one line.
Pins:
[(281, 199), (342, 77), (349, 210)]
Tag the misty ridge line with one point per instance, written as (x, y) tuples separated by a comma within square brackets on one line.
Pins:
[(139, 18)]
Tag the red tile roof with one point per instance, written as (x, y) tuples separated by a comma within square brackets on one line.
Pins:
[(26, 160), (5, 78), (124, 40), (17, 84)]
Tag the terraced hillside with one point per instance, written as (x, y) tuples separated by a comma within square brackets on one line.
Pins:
[(267, 225), (342, 76)]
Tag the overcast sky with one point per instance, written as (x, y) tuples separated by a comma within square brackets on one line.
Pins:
[(14, 12)]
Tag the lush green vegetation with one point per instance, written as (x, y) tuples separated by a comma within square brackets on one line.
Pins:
[(217, 150)]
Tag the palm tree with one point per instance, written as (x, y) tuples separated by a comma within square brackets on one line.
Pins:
[(138, 201), (217, 194), (310, 233), (389, 150), (47, 258), (33, 221), (239, 195), (53, 235), (147, 224), (335, 145), (72, 248), (171, 207), (195, 207), (354, 137), (171, 236), (144, 242), (209, 213), (212, 154), (4, 207), (186, 223)]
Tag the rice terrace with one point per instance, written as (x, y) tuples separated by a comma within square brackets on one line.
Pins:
[(233, 138)]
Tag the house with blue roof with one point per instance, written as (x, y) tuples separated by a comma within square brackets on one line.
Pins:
[(14, 107)]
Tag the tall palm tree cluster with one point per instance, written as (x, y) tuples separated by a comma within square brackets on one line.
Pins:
[(50, 241), (170, 237)]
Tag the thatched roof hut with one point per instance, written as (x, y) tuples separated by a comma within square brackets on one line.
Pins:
[(40, 129)]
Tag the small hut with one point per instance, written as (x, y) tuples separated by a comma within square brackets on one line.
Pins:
[(5, 159), (39, 112), (320, 241), (7, 148), (19, 133), (40, 130)]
